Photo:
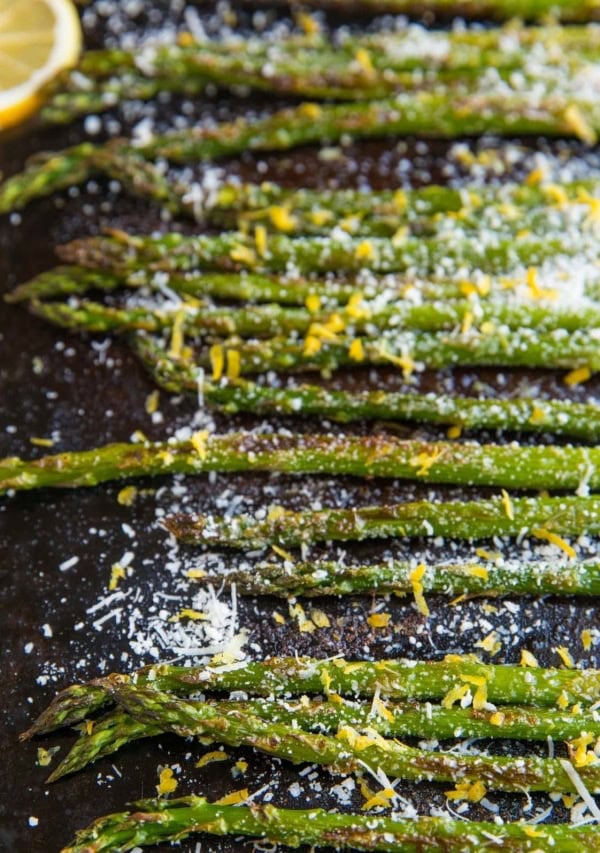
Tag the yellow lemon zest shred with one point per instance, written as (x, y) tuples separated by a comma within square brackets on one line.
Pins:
[(555, 539)]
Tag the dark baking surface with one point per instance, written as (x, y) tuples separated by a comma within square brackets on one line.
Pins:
[(90, 400)]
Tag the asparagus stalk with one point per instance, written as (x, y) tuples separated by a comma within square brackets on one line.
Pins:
[(440, 114), (233, 251), (49, 173), (232, 199), (390, 719), (154, 821), (521, 467), (417, 350), (346, 82), (426, 212), (107, 736), (499, 10), (396, 679), (561, 417), (251, 287), (465, 578), (272, 319), (456, 519), (309, 67), (455, 49), (260, 288), (348, 751)]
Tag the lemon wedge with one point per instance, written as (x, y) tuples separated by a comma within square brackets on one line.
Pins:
[(38, 38)]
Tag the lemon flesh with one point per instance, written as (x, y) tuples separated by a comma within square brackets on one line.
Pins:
[(38, 38)]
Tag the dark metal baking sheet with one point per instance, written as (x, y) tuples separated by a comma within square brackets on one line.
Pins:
[(89, 399)]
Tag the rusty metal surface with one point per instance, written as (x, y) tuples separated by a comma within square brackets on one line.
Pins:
[(90, 400)]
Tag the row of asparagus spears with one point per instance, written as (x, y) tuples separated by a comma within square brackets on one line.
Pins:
[(533, 334), (546, 519), (356, 68), (455, 697), (438, 114), (357, 329)]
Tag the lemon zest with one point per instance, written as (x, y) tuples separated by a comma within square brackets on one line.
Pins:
[(527, 659), (166, 784), (210, 757), (555, 539), (471, 791), (577, 376), (234, 364), (507, 504), (216, 355), (127, 496), (234, 798), (416, 581), (379, 620), (117, 573), (565, 656)]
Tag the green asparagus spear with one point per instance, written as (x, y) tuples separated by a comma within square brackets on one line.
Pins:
[(500, 10), (397, 49), (439, 114), (107, 735), (521, 467), (50, 173), (561, 417), (233, 251), (348, 751), (329, 206), (465, 578), (251, 287), (154, 821), (412, 351), (457, 519), (272, 319), (396, 679), (436, 114), (391, 719), (427, 212), (357, 68)]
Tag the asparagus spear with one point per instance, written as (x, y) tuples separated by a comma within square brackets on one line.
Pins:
[(49, 173), (324, 75), (562, 417), (521, 467), (459, 520), (500, 10), (437, 114), (321, 81), (251, 287), (154, 821), (425, 212), (348, 751), (392, 48), (233, 251), (391, 719), (357, 68), (273, 319), (396, 679), (108, 735), (414, 350), (232, 199), (330, 578)]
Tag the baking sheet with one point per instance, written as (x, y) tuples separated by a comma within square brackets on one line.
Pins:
[(88, 396)]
